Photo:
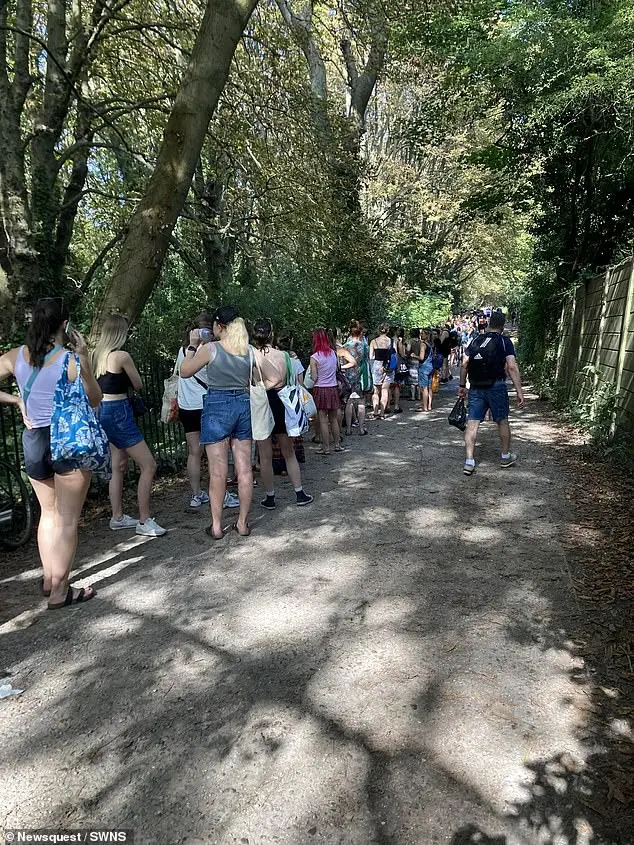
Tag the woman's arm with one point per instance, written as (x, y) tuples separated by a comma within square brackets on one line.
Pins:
[(128, 365), (7, 368), (313, 370), (349, 358), (80, 348), (195, 361)]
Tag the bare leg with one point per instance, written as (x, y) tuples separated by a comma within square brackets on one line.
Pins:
[(218, 460), (45, 492), (334, 424), (194, 454), (361, 415), (470, 437), (504, 430), (115, 487), (324, 431), (58, 546), (292, 466), (265, 449), (385, 397), (376, 399), (242, 460), (144, 459), (349, 412), (397, 397)]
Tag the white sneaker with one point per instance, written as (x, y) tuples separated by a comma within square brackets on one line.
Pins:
[(201, 499), (122, 522), (150, 528), (231, 501)]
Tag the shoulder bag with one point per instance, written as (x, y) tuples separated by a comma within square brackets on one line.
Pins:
[(290, 395), (169, 405), (76, 434), (262, 422)]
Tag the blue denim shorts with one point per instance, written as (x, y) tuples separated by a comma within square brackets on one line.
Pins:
[(483, 399), (425, 372), (226, 413), (117, 419)]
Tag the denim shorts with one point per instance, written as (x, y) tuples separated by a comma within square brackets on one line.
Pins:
[(226, 413), (117, 419), (36, 443), (425, 372), (495, 399)]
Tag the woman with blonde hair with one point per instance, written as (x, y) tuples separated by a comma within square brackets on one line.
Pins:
[(116, 374), (226, 418)]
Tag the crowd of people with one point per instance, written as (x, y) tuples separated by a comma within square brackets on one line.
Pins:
[(221, 366)]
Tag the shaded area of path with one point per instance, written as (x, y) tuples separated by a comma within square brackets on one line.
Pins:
[(394, 664)]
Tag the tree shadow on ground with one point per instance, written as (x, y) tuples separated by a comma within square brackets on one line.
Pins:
[(402, 666)]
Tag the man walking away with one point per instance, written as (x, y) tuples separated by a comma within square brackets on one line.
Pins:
[(489, 358)]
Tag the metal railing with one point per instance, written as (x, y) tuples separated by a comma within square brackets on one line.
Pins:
[(167, 442)]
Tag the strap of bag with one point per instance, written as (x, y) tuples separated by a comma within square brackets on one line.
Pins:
[(291, 377), (200, 382), (254, 362), (28, 387)]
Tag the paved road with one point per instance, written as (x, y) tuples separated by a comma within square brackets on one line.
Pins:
[(390, 665)]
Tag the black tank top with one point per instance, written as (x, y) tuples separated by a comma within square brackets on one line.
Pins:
[(114, 383)]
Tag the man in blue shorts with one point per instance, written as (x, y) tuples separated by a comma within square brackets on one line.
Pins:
[(488, 360)]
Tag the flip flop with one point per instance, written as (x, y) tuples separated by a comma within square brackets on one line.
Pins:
[(241, 533), (210, 533), (72, 599), (321, 452), (363, 433)]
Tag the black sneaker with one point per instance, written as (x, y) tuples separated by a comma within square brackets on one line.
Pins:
[(303, 499), (268, 503)]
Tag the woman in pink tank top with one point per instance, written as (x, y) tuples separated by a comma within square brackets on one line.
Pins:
[(60, 487), (323, 370)]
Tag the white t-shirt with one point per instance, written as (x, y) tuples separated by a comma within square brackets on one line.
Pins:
[(191, 391), (299, 367)]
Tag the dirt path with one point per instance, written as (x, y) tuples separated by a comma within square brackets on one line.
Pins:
[(394, 664)]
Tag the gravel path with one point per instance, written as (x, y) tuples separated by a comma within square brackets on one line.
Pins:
[(389, 665)]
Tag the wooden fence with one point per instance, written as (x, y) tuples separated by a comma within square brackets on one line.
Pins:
[(596, 347)]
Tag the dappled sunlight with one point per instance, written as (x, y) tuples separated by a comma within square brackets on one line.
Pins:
[(344, 691), (277, 796)]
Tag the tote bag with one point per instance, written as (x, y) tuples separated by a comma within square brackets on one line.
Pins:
[(76, 434), (169, 405), (262, 422), (295, 416)]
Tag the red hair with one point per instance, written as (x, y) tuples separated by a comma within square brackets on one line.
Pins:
[(321, 342)]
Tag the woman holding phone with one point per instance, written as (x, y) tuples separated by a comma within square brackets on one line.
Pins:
[(59, 486), (191, 396)]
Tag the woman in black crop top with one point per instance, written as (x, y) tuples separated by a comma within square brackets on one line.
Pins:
[(116, 373)]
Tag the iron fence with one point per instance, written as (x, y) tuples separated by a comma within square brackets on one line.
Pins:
[(167, 442)]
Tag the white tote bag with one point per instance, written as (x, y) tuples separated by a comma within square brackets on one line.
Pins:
[(262, 422), (169, 405), (295, 417)]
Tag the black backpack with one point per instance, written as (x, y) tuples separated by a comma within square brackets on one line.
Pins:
[(486, 360)]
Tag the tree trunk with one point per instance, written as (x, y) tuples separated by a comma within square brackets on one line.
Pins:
[(151, 226)]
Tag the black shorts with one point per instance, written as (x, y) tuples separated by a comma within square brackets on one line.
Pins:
[(36, 443), (279, 412), (190, 420)]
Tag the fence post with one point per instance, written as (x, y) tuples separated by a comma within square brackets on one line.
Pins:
[(629, 304)]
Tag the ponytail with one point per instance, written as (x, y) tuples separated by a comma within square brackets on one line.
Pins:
[(46, 318)]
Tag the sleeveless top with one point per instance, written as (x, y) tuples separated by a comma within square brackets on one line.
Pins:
[(326, 369), (114, 382), (228, 371), (40, 401)]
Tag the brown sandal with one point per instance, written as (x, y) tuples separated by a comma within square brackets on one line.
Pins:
[(241, 533)]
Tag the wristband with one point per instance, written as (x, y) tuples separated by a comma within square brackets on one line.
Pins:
[(191, 349), (463, 386)]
